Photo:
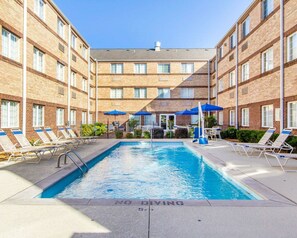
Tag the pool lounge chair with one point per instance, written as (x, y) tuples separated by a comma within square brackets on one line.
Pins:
[(19, 153), (54, 138), (278, 156), (84, 139), (265, 140), (67, 136), (278, 145)]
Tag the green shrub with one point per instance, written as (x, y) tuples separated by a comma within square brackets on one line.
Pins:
[(191, 132), (169, 134), (137, 133), (132, 123), (210, 121), (293, 142), (181, 133), (129, 135), (119, 134), (158, 133), (87, 130), (146, 134), (229, 133), (99, 129)]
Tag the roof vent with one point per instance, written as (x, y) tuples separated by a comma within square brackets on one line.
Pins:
[(157, 46)]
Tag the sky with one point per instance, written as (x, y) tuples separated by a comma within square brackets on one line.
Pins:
[(140, 23)]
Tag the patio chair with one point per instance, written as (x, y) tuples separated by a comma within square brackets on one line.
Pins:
[(67, 136), (278, 145), (265, 140), (279, 157), (54, 138), (84, 139), (19, 153)]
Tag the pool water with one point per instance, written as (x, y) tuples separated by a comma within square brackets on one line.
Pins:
[(135, 170)]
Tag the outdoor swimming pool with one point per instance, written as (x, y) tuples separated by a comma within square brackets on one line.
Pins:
[(140, 170)]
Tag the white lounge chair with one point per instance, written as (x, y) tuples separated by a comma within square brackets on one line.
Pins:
[(278, 145), (265, 140), (54, 138), (85, 139), (279, 157)]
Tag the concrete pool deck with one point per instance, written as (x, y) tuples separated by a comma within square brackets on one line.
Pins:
[(24, 216)]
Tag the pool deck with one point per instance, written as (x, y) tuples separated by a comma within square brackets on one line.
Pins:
[(274, 216)]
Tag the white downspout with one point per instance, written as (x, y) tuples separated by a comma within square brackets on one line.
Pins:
[(282, 70), (236, 79), (96, 88), (208, 80), (24, 124), (69, 75), (89, 89), (217, 81)]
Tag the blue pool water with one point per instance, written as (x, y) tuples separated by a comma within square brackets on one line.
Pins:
[(135, 170)]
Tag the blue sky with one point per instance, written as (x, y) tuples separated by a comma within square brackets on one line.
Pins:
[(139, 23)]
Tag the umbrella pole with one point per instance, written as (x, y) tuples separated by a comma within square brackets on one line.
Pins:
[(107, 128)]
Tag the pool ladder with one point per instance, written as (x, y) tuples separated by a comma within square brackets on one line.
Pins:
[(69, 154)]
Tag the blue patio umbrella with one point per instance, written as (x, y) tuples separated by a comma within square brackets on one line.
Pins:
[(115, 113), (208, 108), (142, 113), (186, 113)]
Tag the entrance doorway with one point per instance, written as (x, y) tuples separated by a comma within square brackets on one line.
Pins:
[(167, 121)]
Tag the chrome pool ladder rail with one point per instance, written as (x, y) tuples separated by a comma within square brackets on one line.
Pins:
[(69, 154)]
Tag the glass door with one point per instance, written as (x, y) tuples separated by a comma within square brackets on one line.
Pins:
[(167, 121)]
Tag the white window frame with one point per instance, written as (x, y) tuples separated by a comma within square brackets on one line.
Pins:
[(221, 118), (91, 92), (60, 71), (186, 92), (221, 85), (90, 119), (73, 79), (60, 112), (38, 60), (221, 52), (140, 93), (232, 79), (140, 68), (245, 116), (72, 117), (292, 114), (117, 68), (10, 45), (267, 116), (84, 52), (246, 27), (164, 93), (233, 41), (85, 85), (267, 7), (116, 93), (232, 117), (60, 28), (292, 47), (84, 118), (187, 68), (267, 60), (10, 109), (39, 8), (245, 72), (150, 120), (73, 41), (164, 68), (38, 115)]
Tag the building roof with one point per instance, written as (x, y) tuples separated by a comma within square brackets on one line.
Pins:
[(165, 54)]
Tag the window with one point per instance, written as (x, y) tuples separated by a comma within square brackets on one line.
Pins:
[(9, 114), (116, 68), (60, 28), (60, 71), (73, 79), (38, 115), (194, 119), (221, 118), (233, 41), (187, 93), (292, 47), (84, 52), (292, 114), (150, 120), (246, 27), (116, 93), (140, 93), (72, 117), (60, 117), (10, 45), (38, 61), (91, 92), (187, 68), (245, 118), (232, 79), (136, 118), (39, 8), (267, 60), (84, 117), (267, 116), (231, 117), (73, 41), (221, 52), (84, 85), (245, 72), (221, 85), (163, 68), (90, 118), (214, 91), (163, 92), (267, 6), (140, 68)]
